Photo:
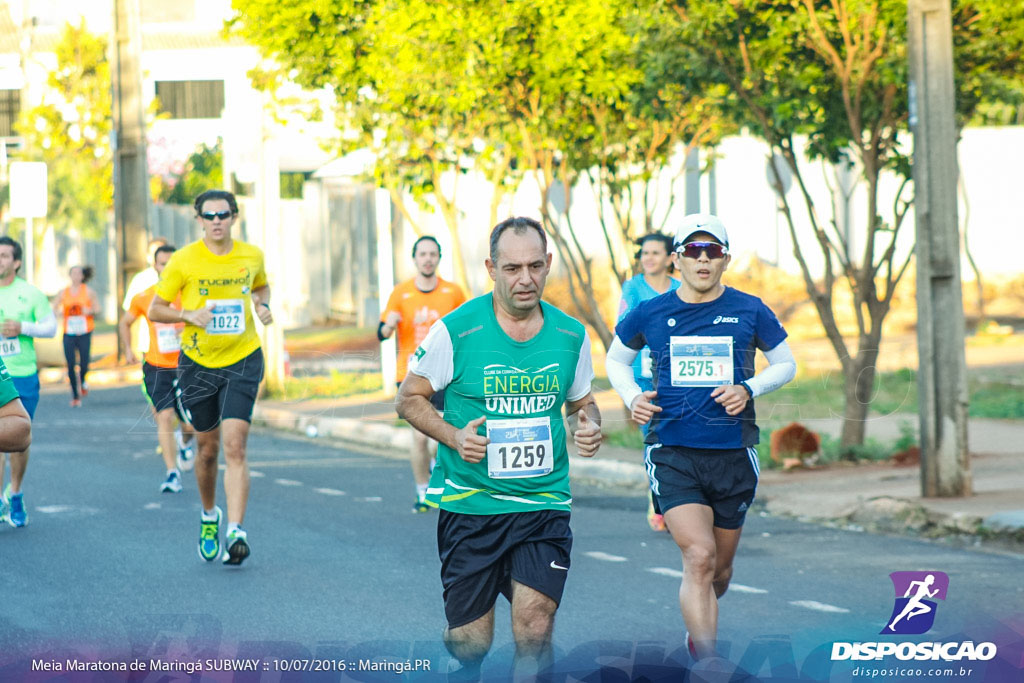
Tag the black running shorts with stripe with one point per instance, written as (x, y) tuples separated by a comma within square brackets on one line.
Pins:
[(723, 479)]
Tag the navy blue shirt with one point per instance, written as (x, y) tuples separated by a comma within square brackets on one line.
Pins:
[(695, 348)]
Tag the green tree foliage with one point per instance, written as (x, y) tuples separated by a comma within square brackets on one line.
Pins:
[(557, 88), (203, 169), (835, 71), (70, 131)]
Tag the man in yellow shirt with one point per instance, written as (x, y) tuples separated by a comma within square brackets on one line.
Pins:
[(221, 362)]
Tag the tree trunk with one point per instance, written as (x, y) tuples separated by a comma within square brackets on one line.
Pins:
[(859, 377)]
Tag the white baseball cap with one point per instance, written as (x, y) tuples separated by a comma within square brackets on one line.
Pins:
[(700, 222)]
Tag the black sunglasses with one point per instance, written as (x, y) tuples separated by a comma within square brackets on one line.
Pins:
[(223, 215), (714, 250)]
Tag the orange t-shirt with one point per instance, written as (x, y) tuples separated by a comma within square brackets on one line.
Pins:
[(73, 303), (419, 310), (164, 338)]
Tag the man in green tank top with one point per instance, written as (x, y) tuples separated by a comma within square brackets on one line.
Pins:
[(508, 363)]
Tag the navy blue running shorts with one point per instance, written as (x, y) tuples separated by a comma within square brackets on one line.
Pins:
[(723, 479), (482, 554), (209, 395), (160, 384)]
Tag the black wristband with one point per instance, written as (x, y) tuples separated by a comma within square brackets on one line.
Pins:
[(747, 387)]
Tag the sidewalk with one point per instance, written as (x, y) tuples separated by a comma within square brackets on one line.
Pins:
[(876, 497)]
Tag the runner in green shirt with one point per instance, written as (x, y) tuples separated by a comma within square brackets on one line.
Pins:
[(508, 364), (24, 315)]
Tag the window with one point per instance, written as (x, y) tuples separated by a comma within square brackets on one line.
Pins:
[(191, 99), (10, 105)]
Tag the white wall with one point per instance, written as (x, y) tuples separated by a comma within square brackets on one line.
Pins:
[(747, 205)]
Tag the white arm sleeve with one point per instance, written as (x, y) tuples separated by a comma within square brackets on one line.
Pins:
[(47, 327), (583, 380), (435, 358), (619, 366), (781, 369)]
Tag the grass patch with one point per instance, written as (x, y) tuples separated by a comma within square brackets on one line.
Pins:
[(335, 385), (327, 339), (625, 437), (821, 396)]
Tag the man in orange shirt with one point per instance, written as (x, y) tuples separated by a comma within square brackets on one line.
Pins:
[(412, 308), (159, 373)]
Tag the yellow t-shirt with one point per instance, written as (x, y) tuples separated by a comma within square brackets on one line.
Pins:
[(202, 278)]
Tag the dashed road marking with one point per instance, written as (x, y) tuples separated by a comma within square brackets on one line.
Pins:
[(151, 506), (54, 509), (677, 574), (287, 482), (819, 606), (368, 499), (330, 492), (598, 555), (665, 571), (257, 474)]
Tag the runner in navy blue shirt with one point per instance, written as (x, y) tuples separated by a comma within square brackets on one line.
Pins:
[(701, 454)]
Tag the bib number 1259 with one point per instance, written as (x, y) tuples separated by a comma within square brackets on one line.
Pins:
[(519, 448)]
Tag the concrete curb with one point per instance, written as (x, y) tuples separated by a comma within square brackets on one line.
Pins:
[(884, 514)]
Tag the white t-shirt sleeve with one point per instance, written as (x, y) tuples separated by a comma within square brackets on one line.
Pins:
[(435, 357), (583, 381)]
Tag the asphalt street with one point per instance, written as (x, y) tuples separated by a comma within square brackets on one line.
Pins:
[(341, 571)]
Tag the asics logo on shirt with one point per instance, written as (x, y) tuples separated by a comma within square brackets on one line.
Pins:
[(725, 319)]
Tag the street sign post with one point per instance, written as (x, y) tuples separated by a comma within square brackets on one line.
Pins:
[(28, 201)]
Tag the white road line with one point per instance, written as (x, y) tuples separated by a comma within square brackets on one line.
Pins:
[(665, 571), (598, 555), (151, 506), (287, 482), (369, 499), (676, 574), (330, 492), (819, 606), (257, 474), (54, 509)]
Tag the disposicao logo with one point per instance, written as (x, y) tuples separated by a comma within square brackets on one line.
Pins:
[(913, 614), (916, 592)]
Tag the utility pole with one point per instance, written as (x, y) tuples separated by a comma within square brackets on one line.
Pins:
[(693, 181), (942, 367), (131, 179), (28, 24)]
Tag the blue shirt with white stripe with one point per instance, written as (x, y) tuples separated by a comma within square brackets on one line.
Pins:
[(689, 416)]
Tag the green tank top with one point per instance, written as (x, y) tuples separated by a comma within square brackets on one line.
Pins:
[(520, 387)]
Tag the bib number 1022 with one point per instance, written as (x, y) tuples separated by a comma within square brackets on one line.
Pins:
[(522, 455), (696, 368), (225, 322)]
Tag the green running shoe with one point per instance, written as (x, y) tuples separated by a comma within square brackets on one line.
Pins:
[(209, 535)]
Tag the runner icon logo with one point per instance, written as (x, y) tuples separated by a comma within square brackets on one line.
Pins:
[(915, 606)]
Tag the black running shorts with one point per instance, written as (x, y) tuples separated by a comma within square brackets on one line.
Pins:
[(209, 395), (482, 554), (725, 480), (160, 384)]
